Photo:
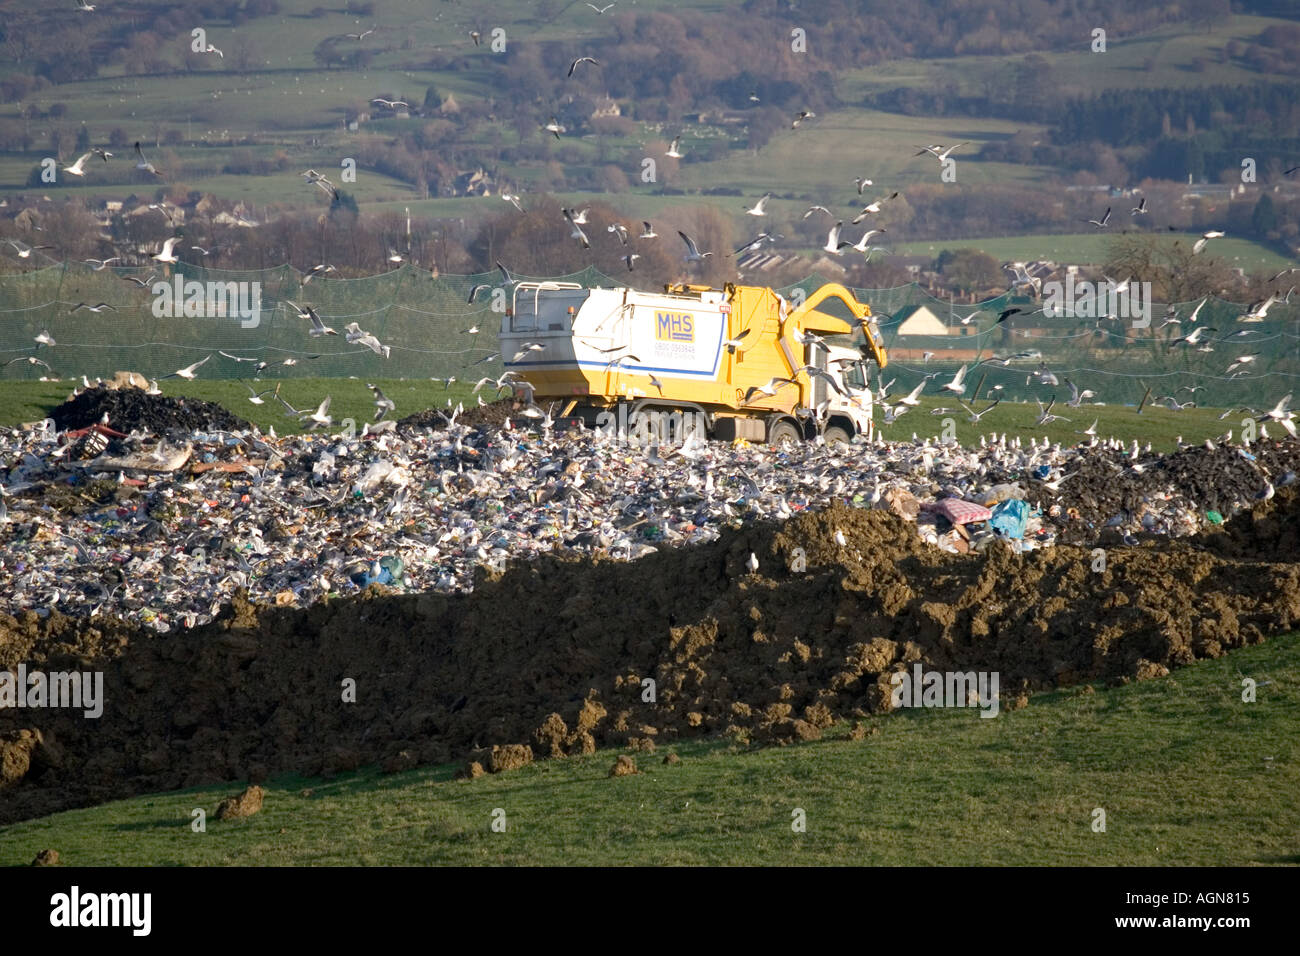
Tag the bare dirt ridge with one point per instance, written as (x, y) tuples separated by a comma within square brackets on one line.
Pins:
[(550, 658)]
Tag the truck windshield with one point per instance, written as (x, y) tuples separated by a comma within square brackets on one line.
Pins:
[(853, 376), (546, 310)]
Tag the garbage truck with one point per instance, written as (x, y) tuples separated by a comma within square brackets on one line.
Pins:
[(739, 362)]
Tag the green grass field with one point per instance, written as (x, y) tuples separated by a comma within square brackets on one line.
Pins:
[(31, 401), (1186, 772), (1089, 248)]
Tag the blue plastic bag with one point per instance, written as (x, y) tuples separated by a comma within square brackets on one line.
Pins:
[(1009, 518)]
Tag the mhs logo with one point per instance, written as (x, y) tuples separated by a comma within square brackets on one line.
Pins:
[(674, 327), (208, 300)]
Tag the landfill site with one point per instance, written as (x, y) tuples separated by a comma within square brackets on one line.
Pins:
[(502, 587)]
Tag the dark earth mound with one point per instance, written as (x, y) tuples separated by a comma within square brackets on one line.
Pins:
[(492, 413), (549, 658), (132, 408)]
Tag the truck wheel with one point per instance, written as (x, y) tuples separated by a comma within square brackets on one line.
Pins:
[(835, 435), (783, 433)]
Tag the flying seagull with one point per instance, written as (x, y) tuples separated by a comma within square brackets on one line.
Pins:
[(603, 9), (554, 127), (189, 372), (674, 150), (383, 404), (803, 115), (833, 242), (958, 384), (873, 207), (101, 307), (582, 59), (693, 253), (391, 104), (759, 208), (76, 169), (144, 164), (1103, 221), (1140, 209), (1205, 238), (101, 264), (648, 232), (166, 255)]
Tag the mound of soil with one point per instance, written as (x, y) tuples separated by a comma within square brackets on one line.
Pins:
[(492, 413), (560, 654), (132, 408)]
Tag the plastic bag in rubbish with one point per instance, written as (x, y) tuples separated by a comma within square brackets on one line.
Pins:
[(1009, 518)]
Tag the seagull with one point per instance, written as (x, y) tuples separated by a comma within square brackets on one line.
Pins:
[(648, 231), (144, 164), (358, 36), (935, 151), (1045, 416), (24, 251), (212, 49), (1091, 430), (1284, 272), (505, 274), (472, 330), (554, 127), (630, 258), (813, 209), (582, 59), (76, 169), (1004, 315), (390, 104), (85, 7), (475, 290), (101, 264), (770, 389), (513, 199), (44, 338), (912, 398), (958, 384), (1140, 209), (395, 257), (1260, 309), (752, 563), (833, 242), (100, 307), (167, 255), (673, 148), (603, 9), (693, 253), (475, 36), (141, 282), (320, 417), (1282, 414), (873, 207), (318, 270), (1102, 223), (1173, 404), (976, 416), (255, 396), (318, 328), (1045, 375), (731, 344), (30, 360), (359, 336), (1206, 237), (383, 404), (803, 115), (189, 371), (1240, 361), (1194, 337), (577, 230), (861, 244), (861, 183), (201, 251), (618, 229), (1076, 396), (759, 208), (751, 244)]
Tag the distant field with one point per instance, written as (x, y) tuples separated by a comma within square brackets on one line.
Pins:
[(1188, 776), (1090, 249), (1172, 57)]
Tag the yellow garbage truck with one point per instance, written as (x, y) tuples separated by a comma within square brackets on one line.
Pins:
[(739, 362)]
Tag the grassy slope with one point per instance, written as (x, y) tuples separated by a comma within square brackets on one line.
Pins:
[(1187, 773)]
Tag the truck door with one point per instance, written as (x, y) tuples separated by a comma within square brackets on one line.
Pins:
[(817, 357)]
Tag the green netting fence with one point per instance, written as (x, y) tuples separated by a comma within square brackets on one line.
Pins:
[(424, 321)]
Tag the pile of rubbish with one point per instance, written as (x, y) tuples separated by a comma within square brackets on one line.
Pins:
[(144, 520)]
